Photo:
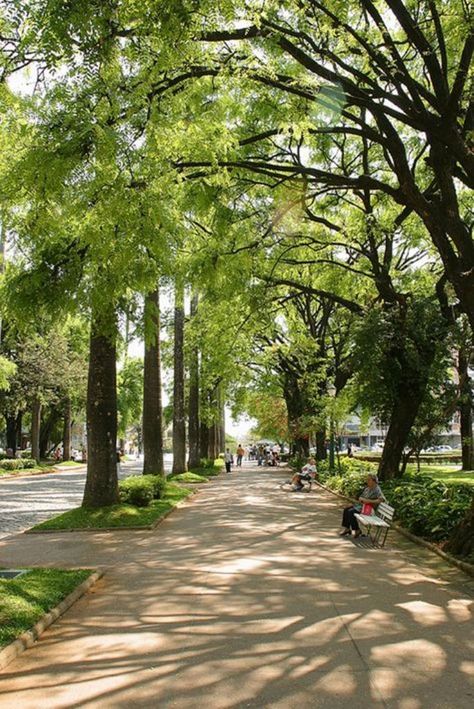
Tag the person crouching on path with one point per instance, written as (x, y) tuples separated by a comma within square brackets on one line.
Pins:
[(228, 460), (308, 472), (371, 495)]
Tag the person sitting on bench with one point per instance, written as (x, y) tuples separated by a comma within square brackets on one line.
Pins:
[(371, 495), (308, 472)]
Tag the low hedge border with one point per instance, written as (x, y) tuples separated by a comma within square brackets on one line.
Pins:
[(463, 565), (29, 637)]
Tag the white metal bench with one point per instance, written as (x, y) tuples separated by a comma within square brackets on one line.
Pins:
[(381, 520)]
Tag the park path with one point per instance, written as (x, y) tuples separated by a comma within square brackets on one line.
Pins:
[(246, 597)]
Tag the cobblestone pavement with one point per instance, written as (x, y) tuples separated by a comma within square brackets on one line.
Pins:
[(26, 501)]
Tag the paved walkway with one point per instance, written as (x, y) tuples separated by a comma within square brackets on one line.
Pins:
[(246, 597)]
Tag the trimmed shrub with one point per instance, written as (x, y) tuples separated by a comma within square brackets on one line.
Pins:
[(137, 490), (207, 463), (11, 464), (158, 484), (26, 454), (28, 463)]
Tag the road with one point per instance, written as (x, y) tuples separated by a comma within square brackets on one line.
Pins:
[(26, 501)]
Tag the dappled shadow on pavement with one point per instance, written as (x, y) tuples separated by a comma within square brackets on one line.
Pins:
[(246, 597)]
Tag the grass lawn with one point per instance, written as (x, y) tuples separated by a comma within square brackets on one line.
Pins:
[(449, 474), (23, 601), (68, 464), (117, 515)]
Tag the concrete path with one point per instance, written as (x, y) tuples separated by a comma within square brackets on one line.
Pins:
[(246, 597)]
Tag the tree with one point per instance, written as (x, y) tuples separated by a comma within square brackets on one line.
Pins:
[(179, 421), (152, 400), (101, 488)]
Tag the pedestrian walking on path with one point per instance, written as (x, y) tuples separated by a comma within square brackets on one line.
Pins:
[(228, 460)]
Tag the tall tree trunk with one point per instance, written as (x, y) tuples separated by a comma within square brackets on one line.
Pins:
[(152, 403), (179, 423), (19, 431), (35, 429), (321, 450), (204, 431), (402, 418), (193, 406), (222, 424), (296, 409), (67, 427), (11, 436), (46, 429), (101, 483), (212, 451), (465, 410)]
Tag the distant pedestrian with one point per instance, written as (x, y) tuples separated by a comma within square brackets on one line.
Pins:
[(228, 459), (240, 454), (350, 454)]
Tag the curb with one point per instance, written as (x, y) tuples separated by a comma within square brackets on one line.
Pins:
[(463, 565), (29, 637)]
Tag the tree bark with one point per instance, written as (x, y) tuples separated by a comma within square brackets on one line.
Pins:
[(402, 418), (10, 420), (101, 483), (67, 426), (193, 405), (465, 410), (296, 409), (203, 440), (19, 424), (321, 450), (35, 429), (179, 424), (46, 429), (152, 402)]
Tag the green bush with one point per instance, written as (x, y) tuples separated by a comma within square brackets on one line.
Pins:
[(158, 484), (207, 463), (424, 506), (28, 463), (26, 454), (428, 507), (136, 490), (11, 464), (140, 490)]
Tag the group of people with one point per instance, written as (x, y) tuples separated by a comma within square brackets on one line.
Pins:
[(263, 454)]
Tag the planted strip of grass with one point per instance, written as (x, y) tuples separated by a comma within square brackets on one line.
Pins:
[(449, 474), (24, 600), (117, 516)]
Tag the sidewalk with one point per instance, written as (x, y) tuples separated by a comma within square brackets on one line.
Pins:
[(246, 597)]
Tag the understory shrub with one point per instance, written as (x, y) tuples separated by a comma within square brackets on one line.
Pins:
[(207, 463), (17, 463), (140, 490), (426, 507)]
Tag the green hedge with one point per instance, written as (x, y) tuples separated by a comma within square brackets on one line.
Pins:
[(18, 463), (140, 490), (426, 507)]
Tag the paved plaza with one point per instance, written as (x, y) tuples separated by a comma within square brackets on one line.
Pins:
[(247, 597)]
